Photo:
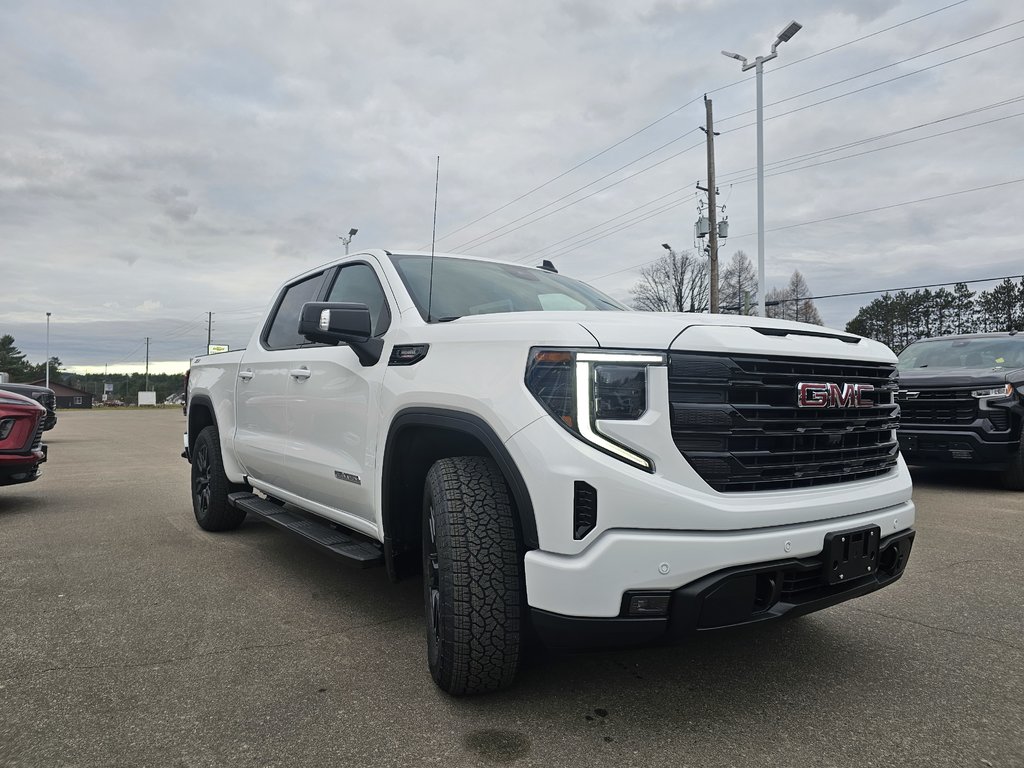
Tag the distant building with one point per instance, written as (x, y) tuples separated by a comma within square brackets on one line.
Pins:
[(68, 397)]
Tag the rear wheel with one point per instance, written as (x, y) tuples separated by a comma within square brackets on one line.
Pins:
[(472, 576), (210, 486)]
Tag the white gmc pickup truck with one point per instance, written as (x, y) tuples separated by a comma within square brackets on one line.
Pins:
[(555, 465)]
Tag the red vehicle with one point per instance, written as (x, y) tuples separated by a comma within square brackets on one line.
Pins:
[(21, 439)]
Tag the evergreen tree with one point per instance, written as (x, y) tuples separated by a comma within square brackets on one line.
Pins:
[(739, 286), (13, 360), (965, 315)]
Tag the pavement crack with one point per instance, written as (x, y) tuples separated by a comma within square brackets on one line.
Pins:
[(971, 635)]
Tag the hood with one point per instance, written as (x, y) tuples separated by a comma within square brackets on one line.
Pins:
[(25, 389), (736, 334), (959, 377)]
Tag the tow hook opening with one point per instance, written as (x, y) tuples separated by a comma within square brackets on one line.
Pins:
[(893, 557)]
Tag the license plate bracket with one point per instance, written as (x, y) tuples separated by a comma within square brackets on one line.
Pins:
[(849, 555)]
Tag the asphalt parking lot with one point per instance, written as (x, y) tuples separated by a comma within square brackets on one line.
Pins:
[(128, 636)]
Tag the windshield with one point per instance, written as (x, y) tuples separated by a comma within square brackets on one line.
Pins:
[(1005, 352), (468, 287)]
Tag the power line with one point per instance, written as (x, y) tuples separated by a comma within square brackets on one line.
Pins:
[(748, 178), (580, 189), (592, 194), (865, 37), (833, 218), (688, 103), (619, 228), (776, 165), (570, 170), (886, 66), (483, 239), (528, 256), (886, 207), (839, 147), (896, 290), (875, 85)]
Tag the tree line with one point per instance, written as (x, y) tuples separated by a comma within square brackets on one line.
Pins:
[(901, 318), (126, 387)]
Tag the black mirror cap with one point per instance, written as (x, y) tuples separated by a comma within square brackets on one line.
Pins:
[(335, 322)]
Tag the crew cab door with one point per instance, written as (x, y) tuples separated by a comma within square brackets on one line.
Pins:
[(334, 404), (261, 390)]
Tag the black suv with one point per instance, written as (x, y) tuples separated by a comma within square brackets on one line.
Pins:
[(42, 395), (962, 403)]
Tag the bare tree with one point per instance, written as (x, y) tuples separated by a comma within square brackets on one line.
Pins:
[(677, 282), (793, 302), (739, 286)]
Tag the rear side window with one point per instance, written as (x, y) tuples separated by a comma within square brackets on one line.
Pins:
[(283, 332), (358, 283)]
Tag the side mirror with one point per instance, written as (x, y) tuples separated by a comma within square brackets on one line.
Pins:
[(341, 323)]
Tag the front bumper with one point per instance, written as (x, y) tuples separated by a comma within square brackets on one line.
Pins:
[(593, 582), (929, 447), (728, 598), (20, 469)]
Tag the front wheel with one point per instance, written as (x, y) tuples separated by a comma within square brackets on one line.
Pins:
[(472, 576), (210, 486)]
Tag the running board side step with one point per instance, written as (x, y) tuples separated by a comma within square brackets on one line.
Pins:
[(351, 547)]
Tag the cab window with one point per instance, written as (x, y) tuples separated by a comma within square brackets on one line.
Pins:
[(358, 284), (283, 331)]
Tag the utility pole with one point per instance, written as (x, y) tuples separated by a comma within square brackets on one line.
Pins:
[(712, 209), (147, 363), (47, 350), (209, 330)]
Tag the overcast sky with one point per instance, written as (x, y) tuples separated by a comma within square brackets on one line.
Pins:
[(162, 160)]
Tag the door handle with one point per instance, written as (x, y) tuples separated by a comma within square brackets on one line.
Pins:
[(245, 375), (300, 373)]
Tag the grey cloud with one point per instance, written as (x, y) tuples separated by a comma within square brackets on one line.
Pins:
[(175, 203)]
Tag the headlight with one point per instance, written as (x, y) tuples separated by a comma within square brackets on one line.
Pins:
[(579, 387), (6, 425), (1004, 391)]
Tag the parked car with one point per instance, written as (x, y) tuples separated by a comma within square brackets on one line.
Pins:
[(21, 438), (962, 403), (42, 395)]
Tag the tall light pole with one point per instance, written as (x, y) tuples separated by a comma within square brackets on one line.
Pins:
[(346, 239), (47, 350), (758, 65)]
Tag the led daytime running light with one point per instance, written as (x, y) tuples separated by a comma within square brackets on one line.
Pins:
[(1004, 391), (585, 417)]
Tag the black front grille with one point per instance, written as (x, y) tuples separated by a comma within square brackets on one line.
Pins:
[(937, 406), (736, 421), (37, 438)]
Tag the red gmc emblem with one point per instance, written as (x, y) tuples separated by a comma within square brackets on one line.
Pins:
[(831, 395)]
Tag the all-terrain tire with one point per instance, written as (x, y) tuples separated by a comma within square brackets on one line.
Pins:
[(472, 576), (210, 486), (1013, 475)]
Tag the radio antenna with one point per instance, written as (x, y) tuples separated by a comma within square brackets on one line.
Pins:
[(433, 236)]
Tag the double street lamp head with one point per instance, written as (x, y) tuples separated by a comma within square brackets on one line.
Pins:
[(783, 37)]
